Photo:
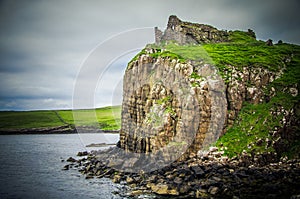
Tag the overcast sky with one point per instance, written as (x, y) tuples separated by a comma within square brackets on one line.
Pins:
[(45, 45)]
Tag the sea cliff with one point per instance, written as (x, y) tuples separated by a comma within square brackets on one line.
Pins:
[(207, 113)]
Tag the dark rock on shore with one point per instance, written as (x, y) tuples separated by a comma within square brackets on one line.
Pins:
[(99, 145), (70, 159), (84, 153), (66, 129), (209, 175), (91, 129)]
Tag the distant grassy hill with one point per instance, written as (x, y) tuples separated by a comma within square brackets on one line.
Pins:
[(108, 118)]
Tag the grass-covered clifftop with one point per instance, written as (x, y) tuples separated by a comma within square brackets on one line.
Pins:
[(272, 125)]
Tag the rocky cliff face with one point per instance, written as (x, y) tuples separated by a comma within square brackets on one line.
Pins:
[(176, 106), (166, 103), (188, 105), (247, 85)]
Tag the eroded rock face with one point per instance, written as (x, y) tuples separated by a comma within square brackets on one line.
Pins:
[(171, 107), (177, 108), (247, 84)]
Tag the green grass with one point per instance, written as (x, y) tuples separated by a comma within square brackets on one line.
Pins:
[(169, 54), (255, 122), (159, 53), (223, 55), (242, 50), (189, 52), (241, 37), (248, 55), (107, 118), (30, 119)]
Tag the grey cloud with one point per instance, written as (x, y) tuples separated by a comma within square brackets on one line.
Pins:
[(36, 85), (35, 104), (274, 19), (43, 44)]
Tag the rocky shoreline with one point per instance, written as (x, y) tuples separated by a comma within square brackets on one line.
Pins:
[(99, 145), (66, 129), (209, 175)]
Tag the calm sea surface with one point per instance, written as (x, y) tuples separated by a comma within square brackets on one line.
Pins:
[(31, 167)]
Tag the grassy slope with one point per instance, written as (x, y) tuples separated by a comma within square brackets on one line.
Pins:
[(108, 118), (255, 121), (28, 119)]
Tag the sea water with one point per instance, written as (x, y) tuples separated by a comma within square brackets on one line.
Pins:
[(31, 167)]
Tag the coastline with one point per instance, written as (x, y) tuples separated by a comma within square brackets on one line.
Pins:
[(66, 129), (207, 175)]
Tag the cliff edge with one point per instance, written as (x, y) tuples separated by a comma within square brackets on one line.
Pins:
[(198, 83), (207, 113)]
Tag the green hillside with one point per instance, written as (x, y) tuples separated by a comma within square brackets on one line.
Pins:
[(108, 118)]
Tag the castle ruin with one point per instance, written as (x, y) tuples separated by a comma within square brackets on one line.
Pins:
[(189, 33)]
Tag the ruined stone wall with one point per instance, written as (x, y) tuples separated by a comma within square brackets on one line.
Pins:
[(189, 33)]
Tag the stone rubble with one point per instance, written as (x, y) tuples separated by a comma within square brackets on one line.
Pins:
[(207, 175)]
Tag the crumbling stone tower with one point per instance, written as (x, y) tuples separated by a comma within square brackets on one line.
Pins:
[(189, 33)]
